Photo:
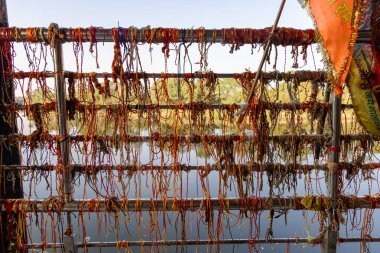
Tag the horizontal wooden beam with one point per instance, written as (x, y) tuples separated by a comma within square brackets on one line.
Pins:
[(195, 106), (242, 168), (126, 244), (252, 204), (299, 75), (234, 36), (192, 138)]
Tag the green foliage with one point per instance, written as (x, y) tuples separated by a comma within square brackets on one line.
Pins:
[(226, 91)]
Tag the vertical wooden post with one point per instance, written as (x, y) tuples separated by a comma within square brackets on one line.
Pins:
[(10, 180), (62, 116), (321, 123), (68, 237), (330, 237)]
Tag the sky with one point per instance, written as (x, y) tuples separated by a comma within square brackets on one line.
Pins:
[(165, 13)]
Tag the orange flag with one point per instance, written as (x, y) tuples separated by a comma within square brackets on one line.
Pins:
[(337, 24)]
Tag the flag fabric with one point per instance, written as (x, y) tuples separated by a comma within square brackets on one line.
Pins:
[(337, 24), (363, 78)]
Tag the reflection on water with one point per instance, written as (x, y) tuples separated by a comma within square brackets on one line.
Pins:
[(158, 226)]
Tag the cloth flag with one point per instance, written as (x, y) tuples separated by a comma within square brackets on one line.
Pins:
[(337, 24)]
